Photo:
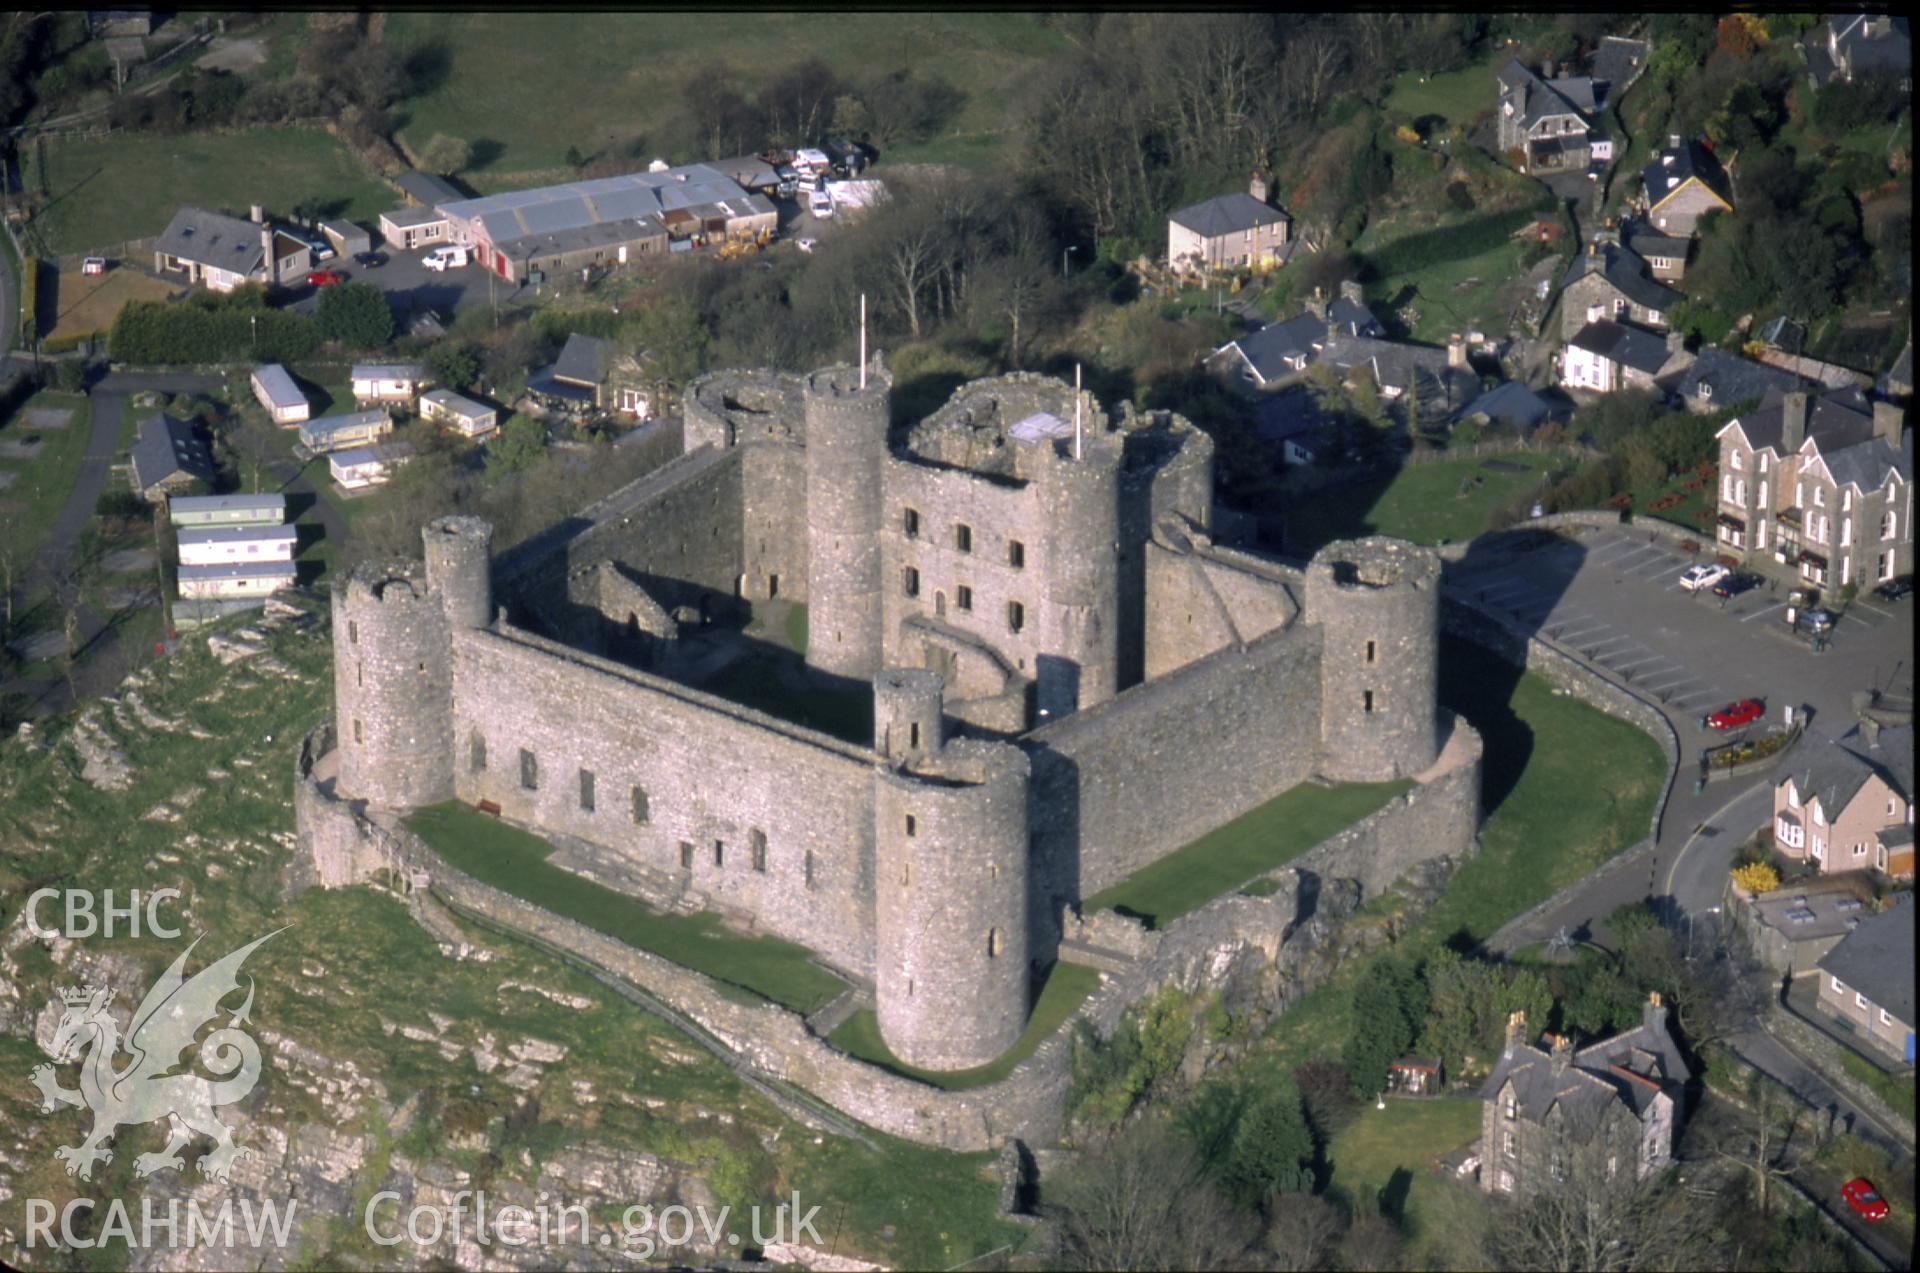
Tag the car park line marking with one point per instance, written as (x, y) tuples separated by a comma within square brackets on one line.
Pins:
[(1637, 664), (1687, 701), (1640, 550), (1569, 632), (1612, 640), (1885, 614), (1686, 678), (1675, 569), (1778, 605)]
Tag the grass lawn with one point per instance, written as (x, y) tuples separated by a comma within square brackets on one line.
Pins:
[(1424, 503), (1067, 987), (128, 185), (40, 485), (1458, 96), (509, 83), (516, 861), (1252, 844), (1387, 1153), (1459, 296), (84, 305)]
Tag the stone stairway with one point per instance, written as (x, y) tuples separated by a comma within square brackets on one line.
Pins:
[(1101, 958)]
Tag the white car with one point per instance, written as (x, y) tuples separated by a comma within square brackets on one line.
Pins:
[(1694, 578), (820, 203), (806, 244), (445, 258)]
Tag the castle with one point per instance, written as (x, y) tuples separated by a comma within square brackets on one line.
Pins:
[(1070, 679)]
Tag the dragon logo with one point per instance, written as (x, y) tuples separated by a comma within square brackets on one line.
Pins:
[(147, 1087)]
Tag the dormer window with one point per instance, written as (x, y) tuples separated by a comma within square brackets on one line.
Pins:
[(1793, 796), (1733, 460)]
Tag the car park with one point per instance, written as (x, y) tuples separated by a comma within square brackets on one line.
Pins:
[(1735, 583), (1895, 589), (1864, 1199), (1813, 622), (446, 257), (1734, 715), (324, 278), (1704, 575)]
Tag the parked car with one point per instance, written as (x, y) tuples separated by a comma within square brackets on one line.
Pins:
[(820, 203), (1895, 589), (94, 265), (1705, 575), (370, 260), (1813, 622), (324, 278), (1864, 1199), (1736, 583), (1734, 715), (806, 244), (445, 257)]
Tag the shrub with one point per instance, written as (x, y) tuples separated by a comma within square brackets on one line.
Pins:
[(355, 314), (71, 375), (156, 332), (1756, 877), (1459, 196)]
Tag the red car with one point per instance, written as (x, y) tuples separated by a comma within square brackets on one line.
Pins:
[(1865, 1201), (325, 278), (1734, 715)]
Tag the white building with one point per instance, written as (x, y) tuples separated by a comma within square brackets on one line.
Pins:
[(465, 416), (235, 579), (387, 382), (274, 387), (218, 545), (337, 432), (364, 466)]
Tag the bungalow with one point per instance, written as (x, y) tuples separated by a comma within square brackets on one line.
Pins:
[(406, 229), (364, 466), (236, 579), (1681, 184), (1867, 980), (167, 458), (591, 375), (427, 190), (1540, 122), (218, 545), (1840, 807), (1229, 230), (388, 382), (468, 418), (1664, 254), (1291, 425), (275, 390), (224, 252), (1606, 356), (1276, 351), (227, 510), (338, 432)]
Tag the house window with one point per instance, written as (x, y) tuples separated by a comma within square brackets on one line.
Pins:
[(1791, 833), (1888, 521), (1510, 1144), (1016, 554), (1506, 1182), (1819, 497), (1793, 795), (1557, 1165), (686, 855), (1886, 1018), (477, 752), (910, 581), (963, 537), (719, 852), (1016, 616), (757, 850), (529, 771), (1819, 815), (1860, 850), (1859, 1000), (1733, 460), (1837, 987), (963, 597), (640, 810), (910, 522), (586, 790), (906, 874), (1884, 569), (1509, 1106), (1819, 849)]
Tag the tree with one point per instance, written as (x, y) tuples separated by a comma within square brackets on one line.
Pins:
[(1272, 1150), (445, 155), (355, 314), (1771, 1144), (1302, 1232), (672, 338), (1389, 1007), (1587, 1220), (521, 444), (454, 363), (1142, 1200)]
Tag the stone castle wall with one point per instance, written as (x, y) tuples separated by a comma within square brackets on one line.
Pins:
[(1204, 598)]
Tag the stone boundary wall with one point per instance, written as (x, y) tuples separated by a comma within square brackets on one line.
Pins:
[(1817, 1051), (1603, 519)]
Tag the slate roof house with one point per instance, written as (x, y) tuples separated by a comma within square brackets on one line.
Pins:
[(1853, 44), (1665, 254), (1617, 63), (1440, 379), (1611, 281), (223, 252), (1542, 119), (1849, 807), (1681, 184), (590, 375), (168, 457), (1508, 405), (1229, 230), (1605, 1112), (1606, 356), (1819, 488), (1867, 980), (1719, 379)]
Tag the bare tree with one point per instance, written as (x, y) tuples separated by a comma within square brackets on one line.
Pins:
[(1585, 1216), (1143, 1201), (915, 250), (1775, 1141), (1302, 1232)]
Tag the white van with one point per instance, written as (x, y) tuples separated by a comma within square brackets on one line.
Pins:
[(448, 257), (820, 203)]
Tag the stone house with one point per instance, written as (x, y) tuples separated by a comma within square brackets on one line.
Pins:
[(1228, 231), (1849, 808), (1682, 183), (1611, 281), (592, 375), (1716, 380), (1665, 254), (1854, 44), (1607, 356), (223, 252), (1792, 928), (1867, 980), (168, 457), (1608, 1111), (1819, 489), (1539, 119)]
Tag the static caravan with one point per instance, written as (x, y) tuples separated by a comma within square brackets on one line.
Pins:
[(338, 432), (236, 579), (219, 545), (227, 510), (365, 466), (467, 417), (275, 389), (387, 382)]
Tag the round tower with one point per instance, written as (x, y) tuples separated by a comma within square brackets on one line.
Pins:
[(1377, 603), (459, 569), (393, 687), (950, 905), (1080, 627), (846, 439), (906, 715)]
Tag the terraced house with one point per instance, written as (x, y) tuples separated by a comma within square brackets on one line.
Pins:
[(1850, 807), (1820, 489)]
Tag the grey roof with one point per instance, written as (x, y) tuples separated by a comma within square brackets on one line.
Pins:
[(1354, 316), (428, 190), (1291, 415), (1646, 244), (1876, 959), (1873, 42), (165, 447), (388, 371), (225, 503), (375, 452), (696, 188), (1689, 159), (1227, 214), (1510, 403), (1577, 90), (326, 426), (408, 218), (584, 360), (239, 570), (1825, 770), (1733, 378), (1891, 754), (604, 234), (1632, 347), (1628, 274), (750, 171), (1534, 99), (212, 238), (1837, 419), (282, 533), (1617, 63), (278, 385), (1633, 1067), (457, 403), (1899, 377), (1865, 464)]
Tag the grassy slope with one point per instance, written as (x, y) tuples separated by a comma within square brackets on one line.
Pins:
[(1253, 843), (1422, 503), (509, 858), (129, 185), (1388, 1154), (501, 91), (1067, 987)]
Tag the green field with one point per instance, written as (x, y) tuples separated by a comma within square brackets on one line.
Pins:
[(1459, 97), (1444, 502), (1252, 844), (516, 861), (41, 484), (495, 82), (1067, 987), (1388, 1154), (128, 185)]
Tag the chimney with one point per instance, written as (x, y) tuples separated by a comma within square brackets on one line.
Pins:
[(1562, 1052), (1456, 351), (1888, 421), (1516, 1028), (1546, 70), (1793, 422), (266, 254), (1654, 1014), (257, 214), (1676, 343), (1870, 732), (1673, 141), (1350, 289), (1257, 186)]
